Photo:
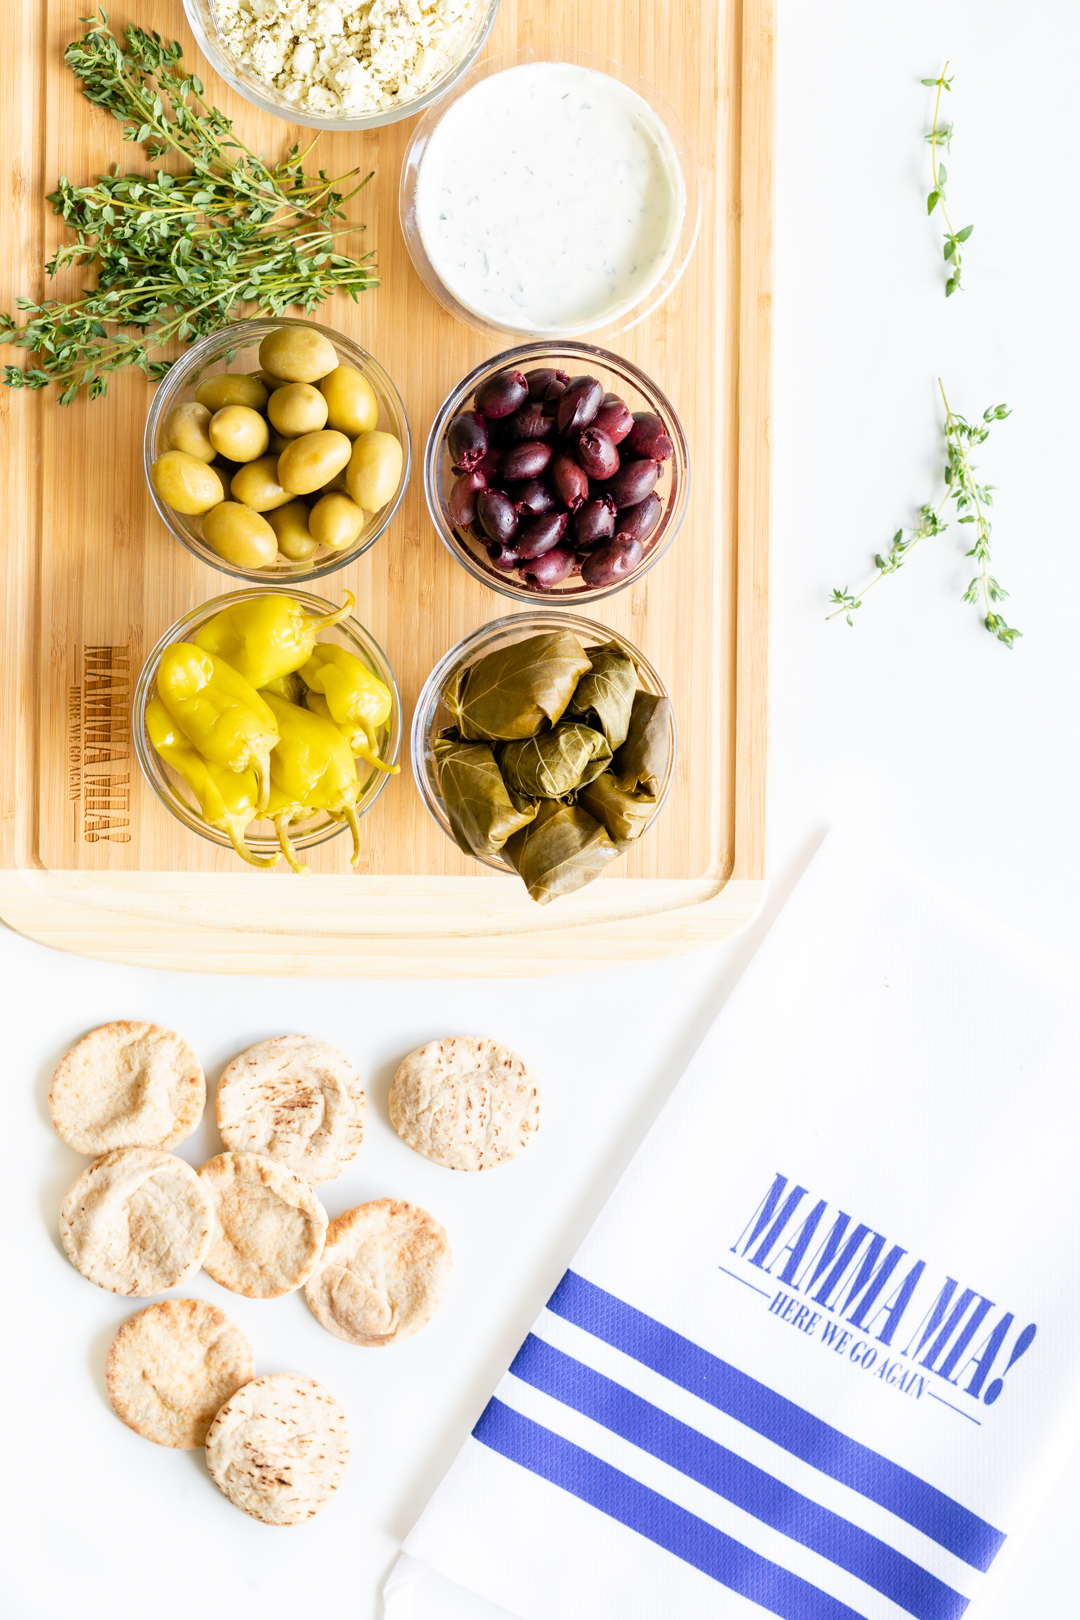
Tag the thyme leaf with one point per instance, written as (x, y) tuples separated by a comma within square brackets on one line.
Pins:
[(941, 136), (971, 501), (176, 254)]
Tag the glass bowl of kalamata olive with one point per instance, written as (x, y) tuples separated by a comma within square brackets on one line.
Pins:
[(557, 469)]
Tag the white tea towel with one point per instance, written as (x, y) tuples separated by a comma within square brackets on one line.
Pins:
[(818, 1346)]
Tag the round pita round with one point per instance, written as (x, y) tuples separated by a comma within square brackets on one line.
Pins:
[(384, 1271), (278, 1448), (269, 1226), (296, 1100), (137, 1221), (127, 1085), (466, 1103), (171, 1367)]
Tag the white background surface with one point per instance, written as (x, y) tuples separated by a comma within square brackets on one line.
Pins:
[(915, 727)]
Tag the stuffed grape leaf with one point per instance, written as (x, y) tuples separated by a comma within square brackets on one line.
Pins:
[(482, 814), (641, 764), (624, 816), (561, 850), (554, 763), (605, 696), (519, 690)]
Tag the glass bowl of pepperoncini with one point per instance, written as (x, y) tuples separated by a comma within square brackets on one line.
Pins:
[(268, 721)]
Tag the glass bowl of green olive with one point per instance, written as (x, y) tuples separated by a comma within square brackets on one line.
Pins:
[(277, 450)]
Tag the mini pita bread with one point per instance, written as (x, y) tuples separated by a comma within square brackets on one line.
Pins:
[(278, 1448), (137, 1221), (171, 1367), (269, 1226), (127, 1085), (296, 1100), (466, 1103), (384, 1271)]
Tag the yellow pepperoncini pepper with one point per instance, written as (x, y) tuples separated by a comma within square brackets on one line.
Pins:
[(290, 687), (312, 765), (222, 715), (266, 636), (342, 688), (227, 799), (283, 811)]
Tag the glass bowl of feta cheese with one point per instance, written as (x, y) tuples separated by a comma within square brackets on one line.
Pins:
[(341, 64), (552, 193)]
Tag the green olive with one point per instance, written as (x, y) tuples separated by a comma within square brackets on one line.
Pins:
[(297, 353), (310, 462), (297, 408), (335, 521), (294, 538), (278, 441), (185, 429), (239, 433), (185, 483), (239, 535), (269, 381), (374, 470), (257, 486), (353, 408), (232, 388)]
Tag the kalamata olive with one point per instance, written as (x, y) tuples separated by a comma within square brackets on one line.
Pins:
[(613, 562), (597, 454), (579, 404), (550, 569), (526, 460), (467, 440), (639, 521), (648, 437), (613, 418), (501, 394), (462, 499), (633, 481), (594, 523), (571, 481), (544, 380), (504, 557), (532, 497), (490, 465), (498, 515), (539, 534), (530, 422)]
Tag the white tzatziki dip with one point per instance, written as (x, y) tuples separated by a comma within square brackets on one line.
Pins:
[(549, 198)]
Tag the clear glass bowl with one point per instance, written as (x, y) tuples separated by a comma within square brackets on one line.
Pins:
[(236, 348), (261, 837), (431, 714), (675, 261), (618, 377), (203, 24)]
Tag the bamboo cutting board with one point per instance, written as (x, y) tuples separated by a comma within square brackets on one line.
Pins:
[(90, 860)]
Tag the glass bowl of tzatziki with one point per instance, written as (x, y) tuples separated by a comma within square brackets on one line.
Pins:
[(456, 484), (341, 64), (551, 193)]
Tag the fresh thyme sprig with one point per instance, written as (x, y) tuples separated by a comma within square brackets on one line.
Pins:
[(941, 135), (971, 500), (176, 254)]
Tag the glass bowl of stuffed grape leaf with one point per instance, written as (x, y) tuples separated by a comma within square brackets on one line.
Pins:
[(544, 745)]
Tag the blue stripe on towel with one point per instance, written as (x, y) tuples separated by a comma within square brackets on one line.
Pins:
[(777, 1419), (889, 1572), (654, 1517)]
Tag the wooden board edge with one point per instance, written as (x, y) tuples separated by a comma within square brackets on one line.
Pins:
[(757, 128), (184, 922)]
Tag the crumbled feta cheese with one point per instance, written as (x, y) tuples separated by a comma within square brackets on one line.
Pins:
[(345, 58)]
